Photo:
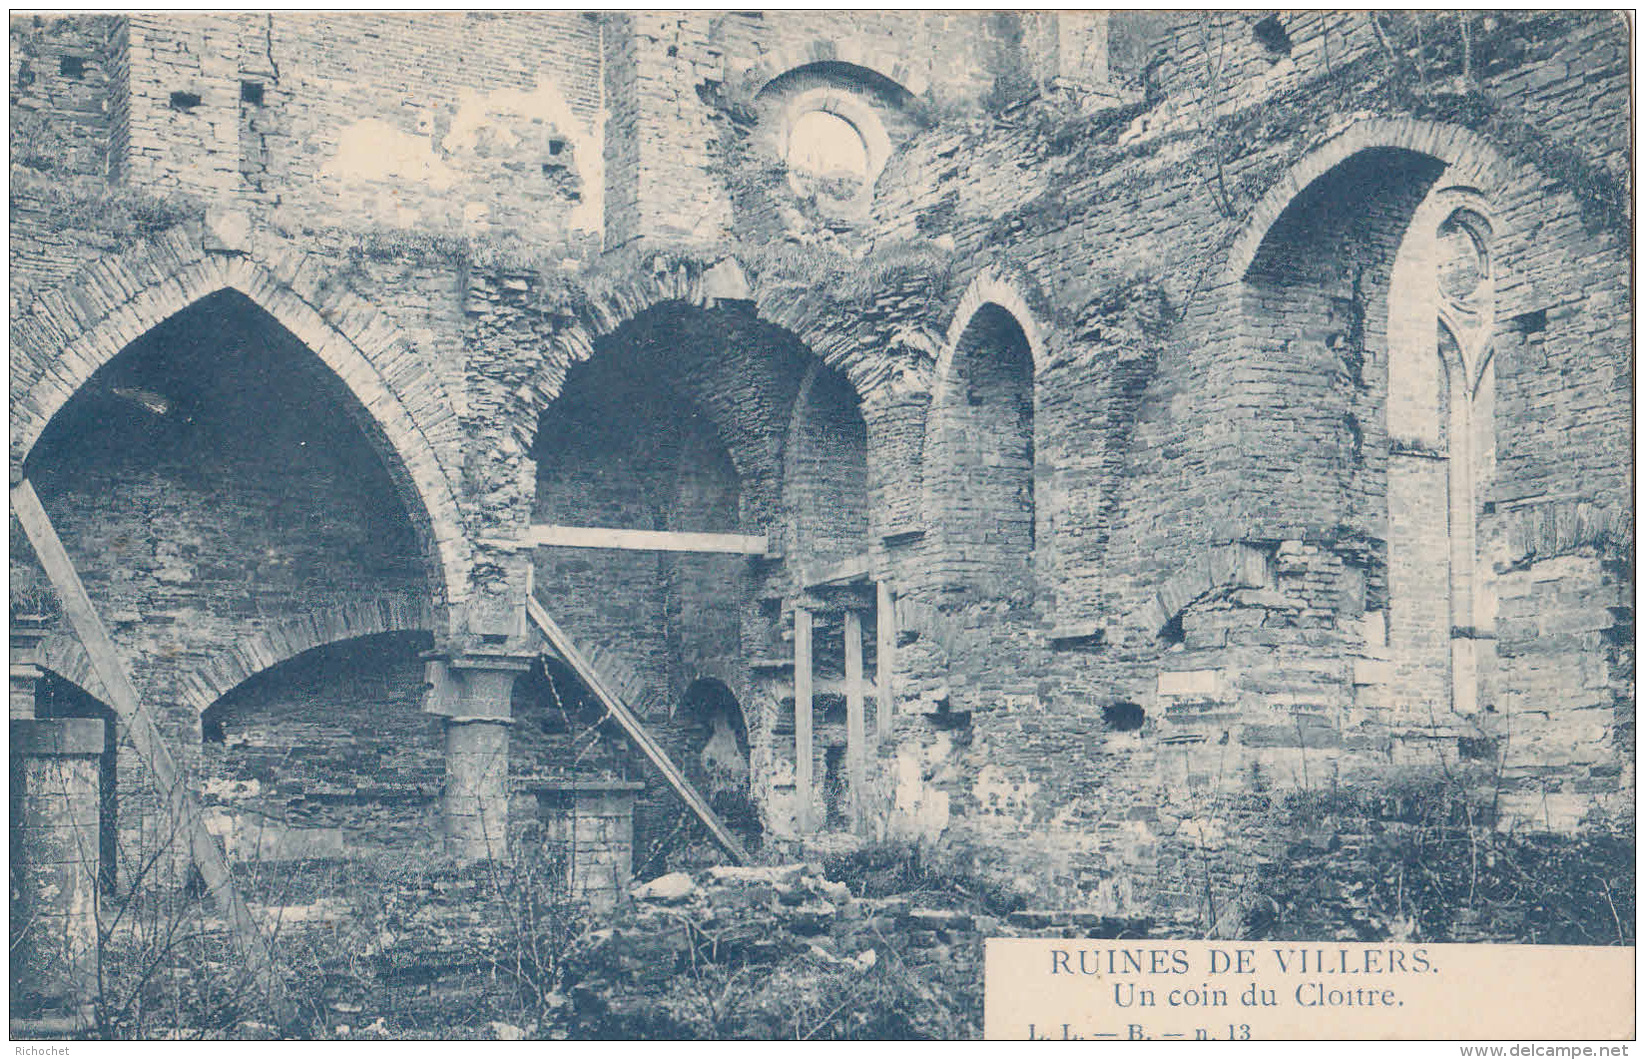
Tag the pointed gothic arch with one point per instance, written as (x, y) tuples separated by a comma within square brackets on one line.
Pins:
[(68, 334)]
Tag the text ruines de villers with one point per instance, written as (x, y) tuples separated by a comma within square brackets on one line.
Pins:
[(1321, 961)]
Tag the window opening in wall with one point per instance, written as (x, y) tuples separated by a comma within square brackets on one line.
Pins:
[(1463, 266), (251, 92), (1530, 323), (827, 157), (184, 101), (1441, 307), (72, 66)]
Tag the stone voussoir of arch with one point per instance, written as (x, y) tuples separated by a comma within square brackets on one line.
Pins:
[(1466, 154), (66, 334), (811, 320)]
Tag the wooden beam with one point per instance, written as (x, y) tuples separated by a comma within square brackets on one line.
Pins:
[(824, 686), (145, 735), (556, 536), (885, 648), (802, 719), (844, 572), (631, 724), (855, 752)]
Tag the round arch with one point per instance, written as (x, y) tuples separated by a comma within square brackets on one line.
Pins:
[(997, 481), (842, 524), (641, 288), (68, 334), (882, 67), (988, 288)]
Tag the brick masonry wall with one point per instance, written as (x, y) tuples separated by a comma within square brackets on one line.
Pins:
[(329, 754), (321, 136), (1215, 442), (64, 74)]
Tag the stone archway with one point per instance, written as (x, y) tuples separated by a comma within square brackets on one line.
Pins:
[(1470, 158), (67, 334), (980, 481)]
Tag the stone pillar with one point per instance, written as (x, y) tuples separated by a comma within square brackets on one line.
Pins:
[(590, 824), (472, 692), (55, 865)]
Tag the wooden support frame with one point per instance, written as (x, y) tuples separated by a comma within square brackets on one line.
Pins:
[(553, 535), (803, 783), (856, 752), (885, 657), (573, 657), (144, 734)]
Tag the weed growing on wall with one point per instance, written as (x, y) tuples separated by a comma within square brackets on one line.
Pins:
[(121, 216), (1421, 860)]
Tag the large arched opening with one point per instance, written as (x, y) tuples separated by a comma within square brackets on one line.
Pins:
[(210, 481), (678, 427), (1368, 305)]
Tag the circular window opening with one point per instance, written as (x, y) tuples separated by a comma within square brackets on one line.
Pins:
[(1463, 264), (827, 158)]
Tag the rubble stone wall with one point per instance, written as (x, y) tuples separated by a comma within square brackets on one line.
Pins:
[(1175, 573)]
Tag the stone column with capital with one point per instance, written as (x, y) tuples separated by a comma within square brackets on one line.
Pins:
[(472, 692)]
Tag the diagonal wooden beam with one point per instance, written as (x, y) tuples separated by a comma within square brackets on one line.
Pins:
[(573, 657), (140, 726)]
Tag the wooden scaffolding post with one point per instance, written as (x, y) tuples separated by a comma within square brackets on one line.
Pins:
[(803, 792), (855, 736), (885, 634)]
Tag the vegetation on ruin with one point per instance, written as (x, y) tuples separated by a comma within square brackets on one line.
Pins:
[(121, 216), (1433, 67), (1423, 859)]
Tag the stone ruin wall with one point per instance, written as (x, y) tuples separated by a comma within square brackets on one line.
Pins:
[(1210, 449)]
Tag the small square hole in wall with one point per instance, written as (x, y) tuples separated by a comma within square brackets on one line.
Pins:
[(1530, 323), (184, 101), (1270, 33), (556, 146), (1123, 716), (72, 66), (251, 92)]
